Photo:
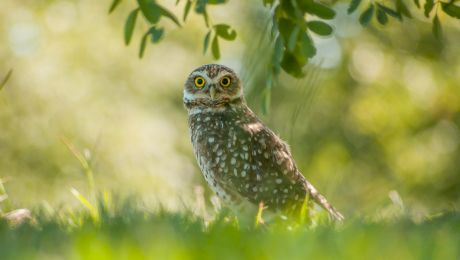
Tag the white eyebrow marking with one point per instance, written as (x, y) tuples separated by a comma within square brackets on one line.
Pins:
[(202, 74), (223, 73)]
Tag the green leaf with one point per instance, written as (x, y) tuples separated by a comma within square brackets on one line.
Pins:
[(320, 28), (307, 47), (417, 3), (150, 10), (437, 29), (200, 6), (206, 18), (277, 55), (389, 11), (216, 2), (288, 9), (5, 80), (114, 5), (353, 6), (429, 4), (293, 61), (215, 48), (129, 25), (366, 16), (382, 16), (285, 27), (165, 12), (153, 12), (155, 34), (293, 38), (225, 31), (206, 42), (143, 44), (187, 8), (402, 9), (291, 66), (317, 9), (451, 9)]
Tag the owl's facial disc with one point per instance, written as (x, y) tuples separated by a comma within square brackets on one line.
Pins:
[(212, 84)]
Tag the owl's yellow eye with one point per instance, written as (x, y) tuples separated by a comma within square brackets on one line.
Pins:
[(199, 82), (225, 81)]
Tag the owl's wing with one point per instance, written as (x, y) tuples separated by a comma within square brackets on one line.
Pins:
[(267, 171)]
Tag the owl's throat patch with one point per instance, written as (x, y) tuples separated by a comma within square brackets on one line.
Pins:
[(205, 102)]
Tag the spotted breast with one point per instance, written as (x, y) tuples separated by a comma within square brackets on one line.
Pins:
[(242, 159)]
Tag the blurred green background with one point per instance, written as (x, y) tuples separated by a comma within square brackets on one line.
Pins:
[(374, 125)]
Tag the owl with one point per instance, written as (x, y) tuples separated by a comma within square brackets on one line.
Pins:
[(242, 160)]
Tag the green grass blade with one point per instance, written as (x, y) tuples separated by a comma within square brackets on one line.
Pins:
[(92, 209)]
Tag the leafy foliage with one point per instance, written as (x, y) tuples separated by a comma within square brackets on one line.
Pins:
[(401, 10), (366, 16), (293, 42), (155, 34), (129, 26), (114, 5), (353, 6), (222, 31), (451, 9), (292, 24)]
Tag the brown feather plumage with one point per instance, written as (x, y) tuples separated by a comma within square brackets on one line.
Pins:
[(241, 159)]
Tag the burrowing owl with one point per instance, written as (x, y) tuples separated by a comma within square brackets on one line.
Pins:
[(241, 159)]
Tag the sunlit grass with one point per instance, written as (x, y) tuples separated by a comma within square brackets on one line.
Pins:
[(126, 231), (107, 227)]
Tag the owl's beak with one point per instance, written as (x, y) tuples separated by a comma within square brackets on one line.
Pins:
[(212, 92)]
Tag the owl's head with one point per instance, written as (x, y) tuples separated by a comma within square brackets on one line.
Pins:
[(212, 85)]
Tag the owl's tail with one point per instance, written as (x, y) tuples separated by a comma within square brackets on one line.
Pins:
[(322, 201)]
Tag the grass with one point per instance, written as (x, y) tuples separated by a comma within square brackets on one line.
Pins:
[(127, 232), (108, 228)]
